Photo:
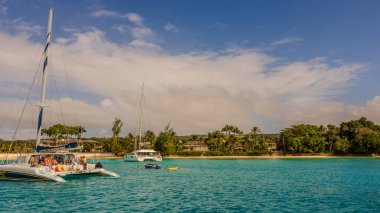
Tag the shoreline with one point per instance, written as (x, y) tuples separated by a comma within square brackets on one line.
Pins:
[(268, 157), (106, 155)]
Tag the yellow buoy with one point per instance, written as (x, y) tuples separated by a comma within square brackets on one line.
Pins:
[(173, 168)]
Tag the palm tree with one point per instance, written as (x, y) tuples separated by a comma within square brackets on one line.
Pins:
[(215, 140), (246, 141), (255, 131), (232, 132), (116, 129)]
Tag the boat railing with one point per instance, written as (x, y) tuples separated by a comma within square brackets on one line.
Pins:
[(56, 162), (150, 155)]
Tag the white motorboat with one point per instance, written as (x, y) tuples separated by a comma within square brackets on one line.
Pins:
[(143, 155), (43, 165)]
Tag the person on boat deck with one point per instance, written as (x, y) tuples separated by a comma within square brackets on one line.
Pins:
[(48, 161), (57, 159), (69, 159), (54, 162), (42, 161), (73, 163), (83, 161), (33, 161)]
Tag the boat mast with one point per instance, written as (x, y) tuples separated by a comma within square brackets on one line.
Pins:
[(141, 114), (44, 75)]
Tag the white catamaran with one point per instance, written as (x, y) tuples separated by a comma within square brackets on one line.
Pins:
[(139, 155), (42, 165)]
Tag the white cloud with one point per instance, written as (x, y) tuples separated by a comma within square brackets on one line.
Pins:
[(143, 35), (14, 61), (3, 10), (29, 28), (196, 92), (70, 30), (61, 40), (105, 13), (132, 17), (171, 28), (141, 44), (285, 41), (106, 103), (135, 18), (74, 112), (141, 32), (21, 27), (120, 28), (369, 110)]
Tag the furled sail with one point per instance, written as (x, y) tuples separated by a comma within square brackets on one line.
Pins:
[(71, 145)]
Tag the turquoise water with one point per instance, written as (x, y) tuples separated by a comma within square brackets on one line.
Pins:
[(270, 185)]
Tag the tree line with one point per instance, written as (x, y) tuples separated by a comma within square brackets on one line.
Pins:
[(360, 136)]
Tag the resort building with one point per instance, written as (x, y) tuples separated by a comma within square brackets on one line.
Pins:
[(195, 146), (91, 146), (272, 146), (239, 149)]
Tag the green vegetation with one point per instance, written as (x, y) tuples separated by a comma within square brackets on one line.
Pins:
[(18, 146), (354, 137), (230, 140), (60, 131), (116, 146), (55, 133), (167, 141)]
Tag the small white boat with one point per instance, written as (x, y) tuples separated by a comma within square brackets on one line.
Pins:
[(143, 155), (152, 166)]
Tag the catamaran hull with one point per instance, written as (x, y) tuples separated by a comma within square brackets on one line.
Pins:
[(15, 172), (103, 172), (130, 158), (8, 175), (143, 155)]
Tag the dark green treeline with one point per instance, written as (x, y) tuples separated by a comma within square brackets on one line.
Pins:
[(360, 136)]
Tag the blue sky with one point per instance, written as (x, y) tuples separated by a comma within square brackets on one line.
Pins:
[(319, 52)]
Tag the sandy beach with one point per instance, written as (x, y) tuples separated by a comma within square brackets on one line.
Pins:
[(267, 157)]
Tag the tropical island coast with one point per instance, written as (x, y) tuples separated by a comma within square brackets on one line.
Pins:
[(352, 139), (270, 157), (13, 156)]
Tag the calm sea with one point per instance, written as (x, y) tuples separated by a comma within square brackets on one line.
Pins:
[(270, 185)]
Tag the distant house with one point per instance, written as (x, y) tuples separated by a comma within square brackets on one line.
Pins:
[(95, 145), (272, 146), (49, 142), (195, 146), (239, 149)]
